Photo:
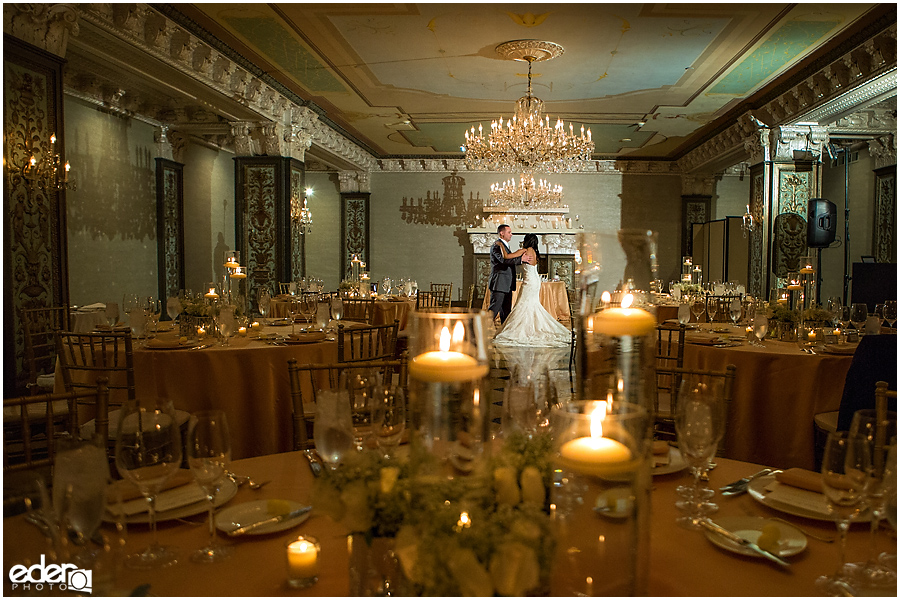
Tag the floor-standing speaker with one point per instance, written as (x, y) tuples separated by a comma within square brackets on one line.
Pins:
[(821, 223)]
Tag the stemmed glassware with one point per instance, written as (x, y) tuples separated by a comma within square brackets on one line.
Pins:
[(148, 452), (844, 467), (225, 323), (877, 436), (333, 427), (386, 286), (80, 476), (760, 325), (337, 308), (112, 314), (834, 308), (698, 306), (137, 314), (711, 309), (173, 307), (263, 302), (734, 310), (890, 312), (209, 453), (859, 312), (389, 418), (700, 426), (362, 386), (308, 305)]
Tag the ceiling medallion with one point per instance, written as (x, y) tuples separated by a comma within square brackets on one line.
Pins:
[(527, 143)]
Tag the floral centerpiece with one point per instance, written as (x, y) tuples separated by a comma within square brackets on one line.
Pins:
[(485, 534), (783, 321), (194, 313), (816, 317)]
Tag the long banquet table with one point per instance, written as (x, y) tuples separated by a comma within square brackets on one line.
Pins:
[(682, 562), (778, 390)]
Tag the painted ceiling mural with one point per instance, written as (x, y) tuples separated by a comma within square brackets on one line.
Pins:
[(409, 79)]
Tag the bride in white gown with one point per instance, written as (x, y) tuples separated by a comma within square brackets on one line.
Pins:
[(529, 323)]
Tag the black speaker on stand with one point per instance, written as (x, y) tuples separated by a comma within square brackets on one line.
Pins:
[(821, 223)]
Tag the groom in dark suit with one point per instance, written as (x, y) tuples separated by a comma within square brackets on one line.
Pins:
[(503, 275)]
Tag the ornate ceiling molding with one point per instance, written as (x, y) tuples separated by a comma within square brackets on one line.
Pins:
[(860, 97), (47, 26), (284, 126), (884, 151)]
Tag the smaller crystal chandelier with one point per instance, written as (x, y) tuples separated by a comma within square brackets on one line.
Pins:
[(527, 142), (41, 168), (748, 223), (300, 213), (528, 194)]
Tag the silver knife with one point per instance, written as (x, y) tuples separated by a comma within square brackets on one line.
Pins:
[(716, 528), (271, 521), (314, 464)]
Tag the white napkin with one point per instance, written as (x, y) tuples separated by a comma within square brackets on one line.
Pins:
[(787, 494), (167, 500), (94, 306)]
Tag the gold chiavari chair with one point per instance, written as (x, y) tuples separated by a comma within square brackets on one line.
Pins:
[(306, 381), (447, 289), (39, 326), (361, 310), (471, 296), (430, 301), (373, 342), (664, 421)]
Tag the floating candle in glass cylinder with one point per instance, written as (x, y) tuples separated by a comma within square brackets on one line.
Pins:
[(303, 562), (624, 320), (232, 259), (594, 454), (239, 273)]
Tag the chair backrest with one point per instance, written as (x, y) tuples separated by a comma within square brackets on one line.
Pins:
[(83, 357), (359, 309), (33, 424), (40, 326), (430, 301), (664, 419), (443, 287), (306, 380), (373, 342), (284, 288), (882, 393), (670, 346), (471, 296)]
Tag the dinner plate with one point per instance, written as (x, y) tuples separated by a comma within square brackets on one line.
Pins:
[(226, 492), (790, 542), (246, 513), (279, 323), (757, 491), (170, 344), (676, 463), (305, 337)]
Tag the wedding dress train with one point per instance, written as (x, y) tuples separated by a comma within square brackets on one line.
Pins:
[(529, 323)]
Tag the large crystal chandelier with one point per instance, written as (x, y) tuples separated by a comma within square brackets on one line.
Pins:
[(527, 194), (527, 143), (301, 214)]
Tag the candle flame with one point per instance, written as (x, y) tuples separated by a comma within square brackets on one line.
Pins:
[(445, 340), (464, 520), (597, 419), (459, 332), (627, 299), (605, 297)]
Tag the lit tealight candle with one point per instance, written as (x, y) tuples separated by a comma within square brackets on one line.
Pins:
[(443, 366), (239, 273), (201, 332), (811, 336), (624, 320), (211, 294), (303, 562), (231, 265), (254, 325), (596, 455), (795, 287), (242, 331)]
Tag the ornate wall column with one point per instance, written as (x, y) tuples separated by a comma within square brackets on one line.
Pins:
[(884, 244), (169, 218), (35, 251), (355, 194)]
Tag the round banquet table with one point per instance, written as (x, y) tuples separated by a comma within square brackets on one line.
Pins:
[(681, 562), (553, 297), (778, 390), (386, 311)]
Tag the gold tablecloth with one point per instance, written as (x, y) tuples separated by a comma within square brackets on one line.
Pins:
[(248, 380), (681, 563), (553, 298), (777, 392), (385, 311)]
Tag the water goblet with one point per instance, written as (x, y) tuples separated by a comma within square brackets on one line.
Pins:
[(865, 424), (844, 466), (225, 323), (148, 452), (389, 418), (833, 306), (712, 308), (890, 312), (263, 302), (173, 307), (80, 476), (386, 286), (760, 324), (337, 308), (735, 310), (112, 314), (698, 306), (209, 453), (361, 386), (859, 312), (699, 426), (333, 427)]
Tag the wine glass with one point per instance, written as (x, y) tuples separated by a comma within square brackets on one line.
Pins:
[(80, 476), (734, 310), (844, 467), (760, 324), (386, 286), (859, 312), (712, 308), (154, 310), (890, 312), (833, 306), (263, 302), (337, 308), (225, 323), (209, 453), (308, 305), (361, 385), (871, 575), (699, 425), (333, 426), (684, 312), (112, 314), (698, 306), (389, 418), (173, 307), (148, 452)]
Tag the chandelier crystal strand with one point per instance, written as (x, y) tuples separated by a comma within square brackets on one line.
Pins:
[(528, 142)]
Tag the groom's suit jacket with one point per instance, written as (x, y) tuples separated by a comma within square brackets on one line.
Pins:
[(503, 271)]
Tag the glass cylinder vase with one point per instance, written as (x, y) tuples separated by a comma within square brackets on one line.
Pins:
[(448, 389), (601, 499)]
